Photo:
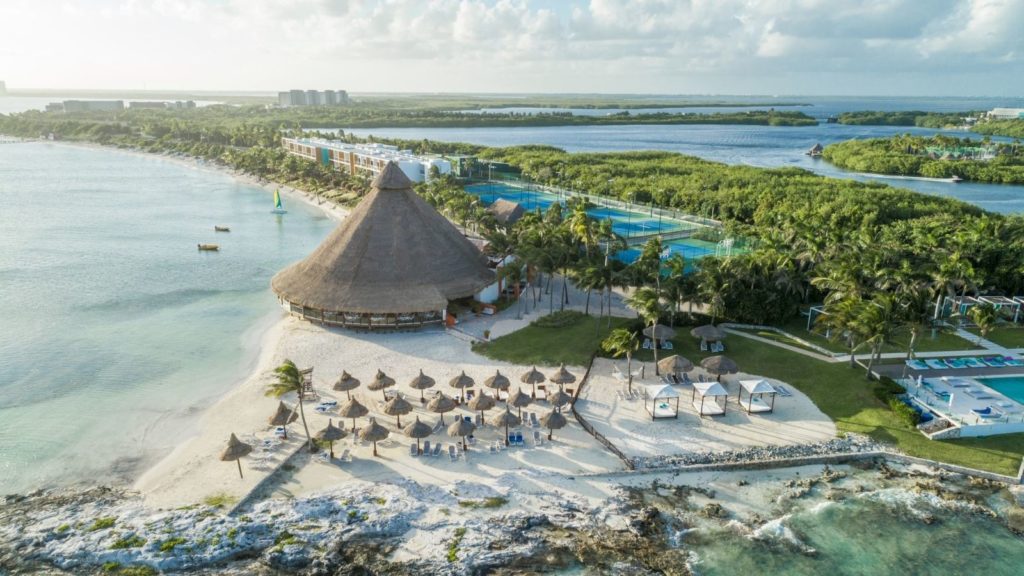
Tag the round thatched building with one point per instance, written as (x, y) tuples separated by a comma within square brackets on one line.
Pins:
[(394, 262)]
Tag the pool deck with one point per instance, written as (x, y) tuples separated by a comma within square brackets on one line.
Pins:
[(956, 397)]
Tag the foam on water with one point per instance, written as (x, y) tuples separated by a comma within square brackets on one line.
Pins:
[(116, 332)]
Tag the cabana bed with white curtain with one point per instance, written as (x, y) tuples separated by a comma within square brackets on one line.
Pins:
[(658, 401), (710, 391), (756, 391)]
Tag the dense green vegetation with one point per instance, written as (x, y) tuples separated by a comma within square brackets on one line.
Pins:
[(1008, 128), (938, 156), (906, 118)]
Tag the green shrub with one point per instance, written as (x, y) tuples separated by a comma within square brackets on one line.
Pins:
[(111, 566), (62, 528), (453, 546), (219, 500), (170, 544), (493, 502), (128, 542), (102, 523), (905, 413), (138, 571)]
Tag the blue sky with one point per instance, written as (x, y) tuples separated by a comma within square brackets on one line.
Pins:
[(883, 47)]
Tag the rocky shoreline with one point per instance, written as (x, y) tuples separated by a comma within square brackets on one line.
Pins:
[(404, 527), (849, 444)]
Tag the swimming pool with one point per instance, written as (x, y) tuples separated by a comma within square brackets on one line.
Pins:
[(626, 223), (1010, 386)]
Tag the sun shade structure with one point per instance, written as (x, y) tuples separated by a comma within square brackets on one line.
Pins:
[(553, 421), (394, 262), (421, 382), (284, 415), (346, 384), (719, 365), (460, 429), (373, 433), (756, 391), (659, 332), (562, 376), (396, 407), (714, 391), (533, 377), (481, 403), (658, 401), (461, 381), (708, 332), (353, 409), (330, 434), (417, 430), (519, 400), (497, 382), (506, 419), (506, 212), (441, 404), (235, 450), (674, 365), (559, 398), (380, 382)]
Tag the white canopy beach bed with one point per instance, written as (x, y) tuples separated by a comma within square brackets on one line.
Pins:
[(658, 401), (756, 391), (713, 391)]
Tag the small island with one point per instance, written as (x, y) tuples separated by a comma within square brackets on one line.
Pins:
[(939, 156)]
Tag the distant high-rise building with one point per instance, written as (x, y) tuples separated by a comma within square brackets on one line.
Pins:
[(312, 98), (93, 105)]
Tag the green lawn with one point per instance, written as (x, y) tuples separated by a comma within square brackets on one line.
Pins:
[(839, 391), (1009, 336), (573, 344)]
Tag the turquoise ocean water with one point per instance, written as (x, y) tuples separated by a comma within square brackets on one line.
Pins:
[(115, 331)]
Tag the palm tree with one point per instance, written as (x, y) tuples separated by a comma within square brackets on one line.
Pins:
[(840, 323), (289, 379), (985, 316), (647, 304), (876, 322), (622, 341)]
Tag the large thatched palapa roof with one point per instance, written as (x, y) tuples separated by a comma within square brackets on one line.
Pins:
[(394, 254)]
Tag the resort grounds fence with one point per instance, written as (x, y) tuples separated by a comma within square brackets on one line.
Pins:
[(630, 465)]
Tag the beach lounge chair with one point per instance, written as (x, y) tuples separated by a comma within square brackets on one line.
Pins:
[(426, 447), (666, 345), (511, 439), (647, 344), (618, 394), (346, 456), (413, 451), (451, 453), (498, 445), (519, 439), (538, 440), (700, 377), (703, 346), (437, 450), (534, 420), (493, 449), (686, 379), (782, 390)]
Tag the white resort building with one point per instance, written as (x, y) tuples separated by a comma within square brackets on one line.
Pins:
[(368, 158)]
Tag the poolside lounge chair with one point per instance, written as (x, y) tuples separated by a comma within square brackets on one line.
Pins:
[(437, 450), (451, 453), (994, 362), (936, 364), (978, 394), (916, 364), (974, 362), (1009, 361)]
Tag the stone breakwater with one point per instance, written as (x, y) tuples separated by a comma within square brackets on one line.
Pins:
[(850, 444)]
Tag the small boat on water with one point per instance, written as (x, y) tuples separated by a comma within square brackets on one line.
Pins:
[(815, 151), (208, 247), (278, 208), (953, 180), (221, 229)]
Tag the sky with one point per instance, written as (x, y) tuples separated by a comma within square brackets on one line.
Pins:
[(812, 47)]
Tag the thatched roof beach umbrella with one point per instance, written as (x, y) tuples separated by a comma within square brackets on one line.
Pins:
[(441, 404), (346, 384), (234, 451), (533, 377), (396, 407), (373, 433), (421, 383), (380, 382), (497, 382), (674, 364), (353, 409), (417, 430), (708, 332), (460, 429), (719, 365), (283, 417), (506, 419), (330, 434), (553, 421), (461, 382), (559, 398), (519, 400), (659, 332), (562, 376), (480, 403)]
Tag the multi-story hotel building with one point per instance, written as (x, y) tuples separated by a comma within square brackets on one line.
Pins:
[(369, 159)]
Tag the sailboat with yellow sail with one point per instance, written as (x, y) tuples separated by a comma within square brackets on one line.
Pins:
[(278, 208)]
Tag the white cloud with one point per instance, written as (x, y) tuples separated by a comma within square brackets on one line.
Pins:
[(515, 45)]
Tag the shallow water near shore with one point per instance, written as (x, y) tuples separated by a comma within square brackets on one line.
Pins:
[(116, 331)]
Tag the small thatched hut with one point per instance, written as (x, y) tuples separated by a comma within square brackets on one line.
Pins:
[(394, 262)]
